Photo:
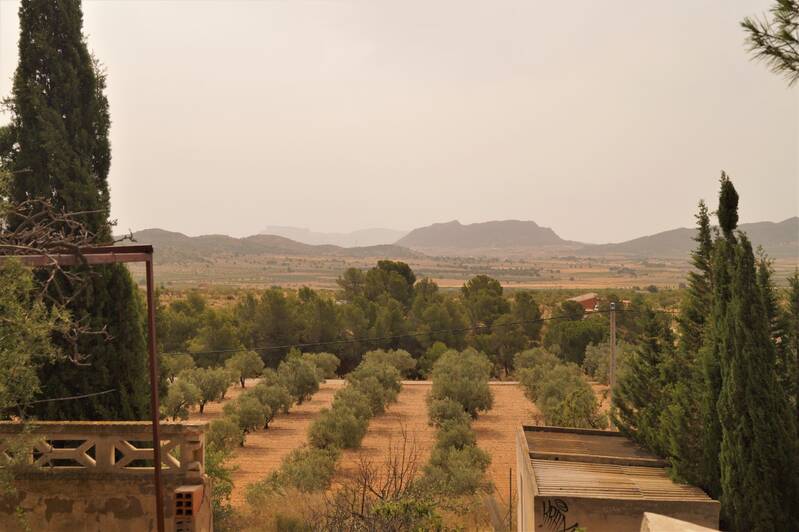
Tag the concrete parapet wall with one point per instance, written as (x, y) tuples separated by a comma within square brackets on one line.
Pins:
[(98, 476)]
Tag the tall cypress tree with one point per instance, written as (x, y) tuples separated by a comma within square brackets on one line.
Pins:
[(715, 339), (758, 460), (694, 308), (58, 149)]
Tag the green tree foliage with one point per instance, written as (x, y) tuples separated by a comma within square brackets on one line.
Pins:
[(173, 364), (638, 397), (212, 383), (430, 357), (758, 459), (507, 338), (247, 412), (25, 329), (274, 397), (355, 400), (337, 428), (245, 365), (179, 322), (457, 471), (682, 419), (326, 363), (224, 433), (463, 377), (792, 341), (216, 338), (570, 338), (559, 390), (380, 382), (181, 396), (571, 310), (774, 39), (300, 377), (309, 469), (398, 358), (57, 147), (274, 319), (596, 363), (526, 311), (483, 299), (440, 411)]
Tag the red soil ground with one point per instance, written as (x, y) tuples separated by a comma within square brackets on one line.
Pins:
[(264, 450)]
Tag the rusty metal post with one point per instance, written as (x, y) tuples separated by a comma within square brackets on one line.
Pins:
[(154, 404)]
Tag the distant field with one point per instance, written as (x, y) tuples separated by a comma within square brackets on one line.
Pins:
[(448, 272)]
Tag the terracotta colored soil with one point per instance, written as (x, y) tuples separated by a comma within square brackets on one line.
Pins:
[(496, 433), (264, 450), (409, 413)]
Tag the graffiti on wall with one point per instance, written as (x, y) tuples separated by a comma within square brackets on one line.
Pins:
[(555, 518)]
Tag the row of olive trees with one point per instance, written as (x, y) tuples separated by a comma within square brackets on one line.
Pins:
[(459, 392), (560, 390), (370, 388)]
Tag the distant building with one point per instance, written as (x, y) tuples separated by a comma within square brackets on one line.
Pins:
[(598, 480), (589, 301)]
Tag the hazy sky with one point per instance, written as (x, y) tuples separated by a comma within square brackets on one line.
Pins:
[(603, 120)]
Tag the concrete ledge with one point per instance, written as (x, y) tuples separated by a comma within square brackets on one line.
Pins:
[(661, 523)]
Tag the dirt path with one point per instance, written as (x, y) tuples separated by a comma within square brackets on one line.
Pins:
[(496, 433), (264, 450), (409, 413)]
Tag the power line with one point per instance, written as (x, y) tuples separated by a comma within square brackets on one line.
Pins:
[(70, 397), (385, 338)]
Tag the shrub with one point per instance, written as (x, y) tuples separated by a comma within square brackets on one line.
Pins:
[(300, 377), (245, 365), (212, 383), (224, 434), (398, 358), (274, 397), (354, 399), (309, 469), (456, 434), (248, 412), (440, 411), (180, 396), (457, 471), (221, 483), (463, 377), (337, 428), (326, 363)]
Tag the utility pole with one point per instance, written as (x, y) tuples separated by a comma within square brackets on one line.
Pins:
[(612, 370)]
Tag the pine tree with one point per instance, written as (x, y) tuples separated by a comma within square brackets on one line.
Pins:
[(681, 420), (59, 149), (758, 460), (638, 397)]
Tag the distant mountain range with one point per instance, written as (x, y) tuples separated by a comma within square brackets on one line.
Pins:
[(175, 247), (362, 237), (486, 235), (496, 238), (515, 237), (779, 239)]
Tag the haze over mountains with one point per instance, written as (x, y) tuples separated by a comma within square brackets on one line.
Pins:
[(363, 237), (494, 238)]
